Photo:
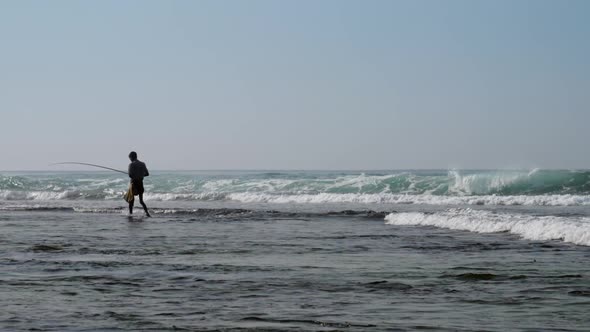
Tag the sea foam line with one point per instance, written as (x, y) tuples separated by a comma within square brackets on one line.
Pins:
[(321, 198), (536, 200), (538, 228)]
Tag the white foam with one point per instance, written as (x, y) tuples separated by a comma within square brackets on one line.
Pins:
[(348, 183), (538, 200), (569, 229), (12, 195), (207, 196), (483, 183), (98, 210), (361, 181), (304, 198)]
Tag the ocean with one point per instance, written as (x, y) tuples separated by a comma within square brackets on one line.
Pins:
[(407, 250)]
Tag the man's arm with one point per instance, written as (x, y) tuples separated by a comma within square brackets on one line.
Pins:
[(129, 170), (145, 173)]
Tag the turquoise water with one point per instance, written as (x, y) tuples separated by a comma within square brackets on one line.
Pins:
[(221, 185)]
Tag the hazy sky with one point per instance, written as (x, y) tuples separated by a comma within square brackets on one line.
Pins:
[(295, 84)]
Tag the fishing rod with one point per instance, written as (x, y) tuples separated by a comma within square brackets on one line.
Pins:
[(87, 164)]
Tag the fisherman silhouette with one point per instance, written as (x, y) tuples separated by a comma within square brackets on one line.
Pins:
[(137, 171)]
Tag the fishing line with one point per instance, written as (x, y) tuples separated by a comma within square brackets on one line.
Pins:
[(87, 164)]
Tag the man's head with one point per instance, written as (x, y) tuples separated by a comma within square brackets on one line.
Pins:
[(133, 156)]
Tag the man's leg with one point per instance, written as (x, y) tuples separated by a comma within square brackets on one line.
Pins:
[(143, 204), (131, 207)]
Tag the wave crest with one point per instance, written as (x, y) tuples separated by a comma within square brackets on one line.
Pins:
[(537, 187), (321, 198), (539, 228)]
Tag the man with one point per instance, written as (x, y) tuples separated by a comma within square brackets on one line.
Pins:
[(137, 170)]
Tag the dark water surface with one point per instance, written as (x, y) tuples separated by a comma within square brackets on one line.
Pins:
[(68, 271)]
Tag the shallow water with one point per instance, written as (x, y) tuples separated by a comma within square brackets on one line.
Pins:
[(258, 270)]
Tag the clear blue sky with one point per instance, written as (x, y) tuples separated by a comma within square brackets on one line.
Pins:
[(296, 84)]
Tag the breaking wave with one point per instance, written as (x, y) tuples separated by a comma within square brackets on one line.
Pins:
[(539, 228), (543, 200), (537, 187), (322, 198)]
